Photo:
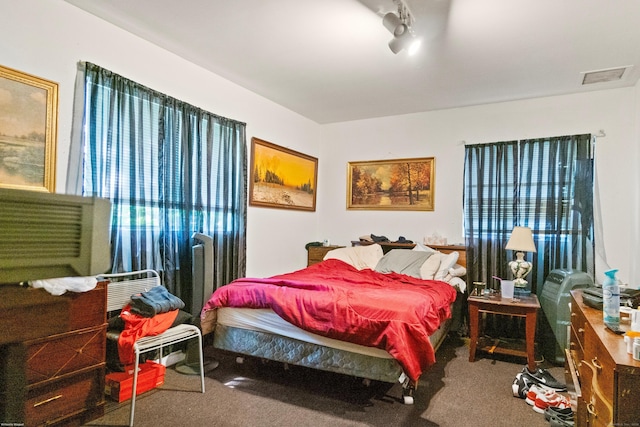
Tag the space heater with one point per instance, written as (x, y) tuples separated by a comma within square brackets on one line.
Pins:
[(202, 271), (554, 300)]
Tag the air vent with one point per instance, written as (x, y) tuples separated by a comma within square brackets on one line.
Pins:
[(603, 76)]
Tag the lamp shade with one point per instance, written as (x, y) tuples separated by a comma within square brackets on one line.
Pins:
[(521, 240)]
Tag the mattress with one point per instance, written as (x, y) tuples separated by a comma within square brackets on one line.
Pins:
[(262, 333)]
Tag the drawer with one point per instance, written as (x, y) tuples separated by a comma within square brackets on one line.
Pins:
[(595, 407), (87, 308), (599, 412), (580, 413), (598, 378), (600, 358), (63, 354), (572, 378), (575, 345), (65, 398), (578, 322), (586, 376)]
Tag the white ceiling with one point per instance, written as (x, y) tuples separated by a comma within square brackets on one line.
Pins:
[(328, 60)]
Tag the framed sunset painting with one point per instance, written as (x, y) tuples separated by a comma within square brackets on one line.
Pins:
[(282, 178)]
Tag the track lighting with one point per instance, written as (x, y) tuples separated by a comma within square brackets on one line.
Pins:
[(400, 26)]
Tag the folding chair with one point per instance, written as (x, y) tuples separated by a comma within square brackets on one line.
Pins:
[(119, 291)]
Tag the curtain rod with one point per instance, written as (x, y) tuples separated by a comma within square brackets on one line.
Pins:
[(600, 134)]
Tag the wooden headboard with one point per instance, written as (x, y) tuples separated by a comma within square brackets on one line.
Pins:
[(387, 246)]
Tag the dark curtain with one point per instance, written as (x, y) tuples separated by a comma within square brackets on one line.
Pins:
[(170, 169), (488, 196), (545, 184)]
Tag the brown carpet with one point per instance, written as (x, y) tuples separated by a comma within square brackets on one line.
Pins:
[(453, 393)]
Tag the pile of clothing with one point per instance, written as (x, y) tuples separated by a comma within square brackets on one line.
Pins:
[(157, 300), (149, 313), (372, 238)]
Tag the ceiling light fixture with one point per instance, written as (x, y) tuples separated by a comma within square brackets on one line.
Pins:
[(400, 25)]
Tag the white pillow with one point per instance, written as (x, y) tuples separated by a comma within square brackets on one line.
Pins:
[(360, 257), (423, 248), (430, 267), (458, 283), (447, 261), (457, 271)]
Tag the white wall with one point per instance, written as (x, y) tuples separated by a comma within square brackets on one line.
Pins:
[(48, 38), (441, 134)]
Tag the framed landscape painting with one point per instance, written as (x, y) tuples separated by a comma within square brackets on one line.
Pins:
[(282, 178), (28, 131), (402, 184)]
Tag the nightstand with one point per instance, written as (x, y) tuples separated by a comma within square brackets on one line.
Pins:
[(315, 254), (526, 307)]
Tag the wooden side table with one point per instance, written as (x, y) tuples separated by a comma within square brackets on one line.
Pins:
[(526, 307), (315, 254)]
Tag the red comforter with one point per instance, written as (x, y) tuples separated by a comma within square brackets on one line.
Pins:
[(391, 311)]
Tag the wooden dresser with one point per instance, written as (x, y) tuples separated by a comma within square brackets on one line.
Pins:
[(606, 378), (56, 379), (315, 254)]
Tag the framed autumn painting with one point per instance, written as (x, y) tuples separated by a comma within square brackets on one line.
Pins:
[(28, 131), (282, 178), (401, 184)]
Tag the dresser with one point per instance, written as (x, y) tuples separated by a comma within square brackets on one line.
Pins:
[(55, 377), (605, 378), (315, 254)]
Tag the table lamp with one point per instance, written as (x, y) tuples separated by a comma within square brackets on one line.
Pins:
[(521, 241)]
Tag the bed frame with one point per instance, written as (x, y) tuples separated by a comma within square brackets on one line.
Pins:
[(287, 350)]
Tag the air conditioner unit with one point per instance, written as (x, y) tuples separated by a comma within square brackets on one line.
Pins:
[(47, 235), (554, 301)]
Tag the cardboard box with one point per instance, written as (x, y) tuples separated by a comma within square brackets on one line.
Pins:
[(118, 385)]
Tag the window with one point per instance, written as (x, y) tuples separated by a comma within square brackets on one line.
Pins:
[(545, 184), (170, 169)]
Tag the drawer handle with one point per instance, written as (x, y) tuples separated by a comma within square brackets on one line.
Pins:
[(596, 363), (51, 399), (597, 391), (581, 330), (573, 314), (591, 409)]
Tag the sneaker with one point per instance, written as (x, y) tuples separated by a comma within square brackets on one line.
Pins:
[(521, 385), (542, 376), (558, 412), (534, 391), (550, 398)]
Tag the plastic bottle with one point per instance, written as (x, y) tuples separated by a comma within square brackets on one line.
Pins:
[(611, 298)]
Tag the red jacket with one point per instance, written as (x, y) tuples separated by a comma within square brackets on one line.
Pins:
[(136, 326)]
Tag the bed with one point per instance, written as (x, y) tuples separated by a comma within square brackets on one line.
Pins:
[(358, 312)]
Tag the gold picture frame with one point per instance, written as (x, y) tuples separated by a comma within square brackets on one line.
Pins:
[(28, 131), (282, 178), (400, 184)]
